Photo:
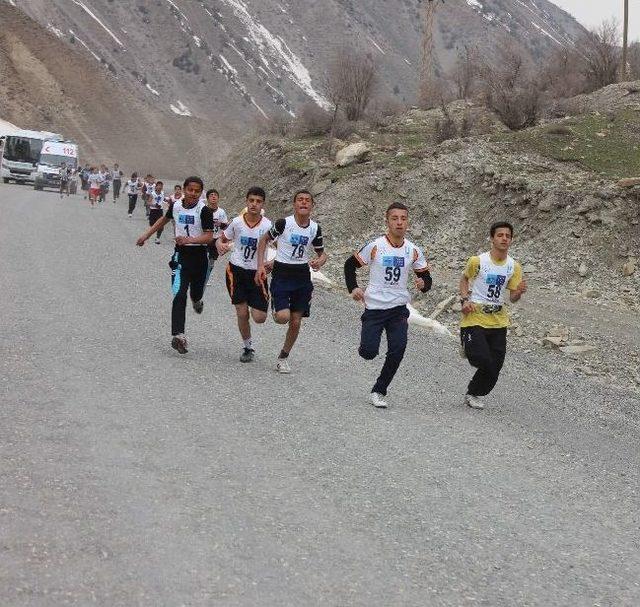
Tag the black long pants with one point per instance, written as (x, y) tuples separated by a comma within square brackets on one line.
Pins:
[(154, 215), (133, 198), (485, 350), (117, 184), (394, 322), (189, 268)]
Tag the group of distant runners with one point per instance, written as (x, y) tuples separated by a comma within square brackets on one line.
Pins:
[(203, 233)]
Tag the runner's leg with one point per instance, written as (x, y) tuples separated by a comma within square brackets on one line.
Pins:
[(180, 285), (295, 322), (476, 347), (396, 327), (133, 198)]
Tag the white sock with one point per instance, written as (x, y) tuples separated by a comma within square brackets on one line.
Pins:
[(248, 344)]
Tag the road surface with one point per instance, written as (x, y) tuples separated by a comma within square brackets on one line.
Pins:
[(133, 476)]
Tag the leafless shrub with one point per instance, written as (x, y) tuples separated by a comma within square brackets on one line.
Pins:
[(511, 88), (563, 75), (445, 128), (600, 52), (382, 111), (312, 120), (633, 59), (280, 124), (351, 78)]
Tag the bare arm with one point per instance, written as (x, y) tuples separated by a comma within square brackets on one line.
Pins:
[(163, 221), (261, 272), (205, 238), (318, 261), (467, 306)]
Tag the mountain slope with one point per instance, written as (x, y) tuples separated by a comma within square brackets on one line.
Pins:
[(47, 85), (231, 62)]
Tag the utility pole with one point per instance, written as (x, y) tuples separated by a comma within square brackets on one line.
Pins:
[(625, 40)]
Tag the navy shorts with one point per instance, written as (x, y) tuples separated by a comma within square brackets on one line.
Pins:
[(243, 289), (291, 293)]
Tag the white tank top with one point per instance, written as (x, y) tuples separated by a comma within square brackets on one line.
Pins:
[(490, 285), (188, 222), (294, 245), (245, 241), (390, 268)]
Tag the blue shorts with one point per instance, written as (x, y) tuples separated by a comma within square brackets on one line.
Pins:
[(291, 293)]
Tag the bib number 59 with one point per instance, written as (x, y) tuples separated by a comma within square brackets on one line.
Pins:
[(392, 274)]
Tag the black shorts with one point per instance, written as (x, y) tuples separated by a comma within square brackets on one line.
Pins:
[(154, 215), (293, 293), (243, 289)]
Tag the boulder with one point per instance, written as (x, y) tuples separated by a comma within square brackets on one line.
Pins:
[(583, 270), (356, 152), (629, 268), (629, 183)]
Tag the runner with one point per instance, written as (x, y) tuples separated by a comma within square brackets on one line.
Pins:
[(105, 177), (391, 258), (94, 180), (84, 179), (133, 188), (193, 225), (220, 222), (156, 207), (116, 179), (65, 176), (177, 193), (291, 286), (251, 300), (483, 328), (147, 192)]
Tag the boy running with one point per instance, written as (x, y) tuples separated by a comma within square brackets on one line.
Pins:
[(155, 207), (390, 257), (193, 225), (291, 286), (220, 222), (483, 328), (116, 180), (94, 180), (133, 188), (177, 193), (250, 299)]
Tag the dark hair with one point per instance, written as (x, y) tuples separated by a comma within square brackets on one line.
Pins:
[(177, 186), (303, 192), (256, 191), (159, 183), (193, 179), (396, 205), (500, 224), (213, 191), (134, 175)]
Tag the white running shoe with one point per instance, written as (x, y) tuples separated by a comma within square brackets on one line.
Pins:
[(282, 366), (473, 401), (377, 400)]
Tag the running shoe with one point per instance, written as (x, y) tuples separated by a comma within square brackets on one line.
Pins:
[(130, 215), (377, 400), (282, 366), (157, 241), (198, 306), (247, 355), (473, 401), (179, 343)]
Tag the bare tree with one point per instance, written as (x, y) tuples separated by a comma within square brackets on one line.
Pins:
[(563, 75), (511, 88), (633, 60), (465, 72), (351, 78), (600, 51)]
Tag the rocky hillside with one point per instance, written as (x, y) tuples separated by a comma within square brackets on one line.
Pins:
[(231, 62), (577, 222), (49, 85)]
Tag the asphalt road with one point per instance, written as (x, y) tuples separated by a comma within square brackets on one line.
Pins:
[(132, 476)]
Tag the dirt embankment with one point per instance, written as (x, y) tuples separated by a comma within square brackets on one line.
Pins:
[(48, 86), (577, 227)]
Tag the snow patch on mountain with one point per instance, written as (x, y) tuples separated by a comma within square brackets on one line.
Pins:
[(97, 20), (180, 108), (276, 49)]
